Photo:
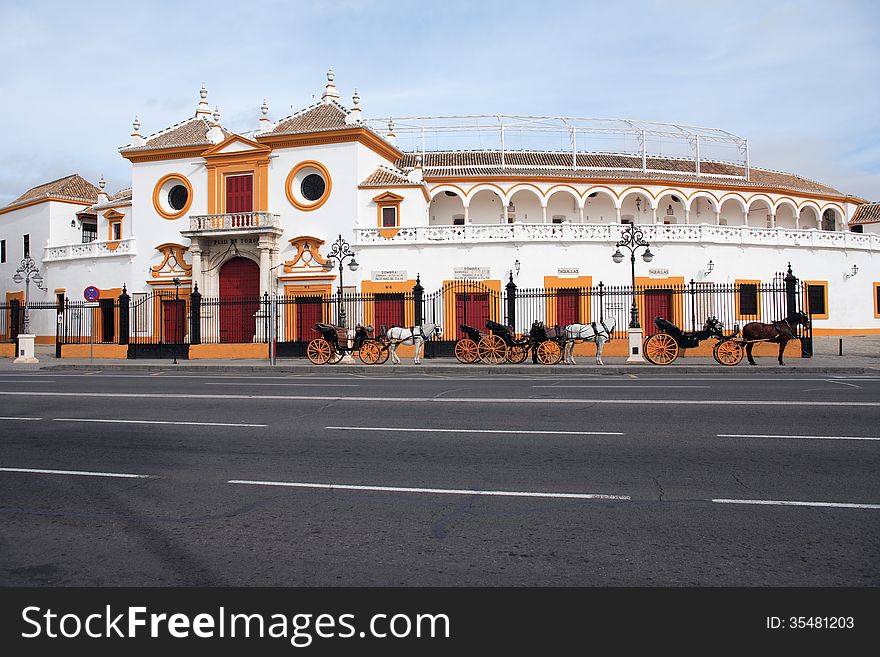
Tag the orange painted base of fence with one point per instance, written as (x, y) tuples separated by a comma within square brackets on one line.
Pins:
[(618, 347), (229, 351), (94, 351), (7, 350)]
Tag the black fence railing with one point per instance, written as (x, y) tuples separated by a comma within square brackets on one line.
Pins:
[(165, 323)]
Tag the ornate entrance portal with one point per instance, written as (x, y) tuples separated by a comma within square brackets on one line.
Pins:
[(239, 300)]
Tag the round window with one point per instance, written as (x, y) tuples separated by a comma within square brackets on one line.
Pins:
[(312, 187), (177, 197)]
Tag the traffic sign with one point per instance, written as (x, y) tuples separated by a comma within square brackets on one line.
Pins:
[(91, 293)]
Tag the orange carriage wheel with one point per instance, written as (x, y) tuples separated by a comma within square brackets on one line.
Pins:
[(492, 350), (728, 352), (661, 349), (517, 353), (549, 353), (369, 353), (319, 351), (466, 351)]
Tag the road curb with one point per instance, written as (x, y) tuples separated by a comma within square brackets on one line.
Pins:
[(497, 370)]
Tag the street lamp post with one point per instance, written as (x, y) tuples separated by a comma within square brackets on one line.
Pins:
[(633, 239), (340, 252), (26, 271)]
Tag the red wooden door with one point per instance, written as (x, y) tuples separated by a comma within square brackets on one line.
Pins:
[(239, 194), (658, 302), (567, 307), (471, 308), (389, 311), (173, 317), (239, 300), (309, 311)]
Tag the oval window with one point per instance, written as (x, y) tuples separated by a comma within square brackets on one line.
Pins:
[(313, 187), (177, 197)]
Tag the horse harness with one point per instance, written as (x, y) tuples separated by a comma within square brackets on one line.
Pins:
[(597, 332)]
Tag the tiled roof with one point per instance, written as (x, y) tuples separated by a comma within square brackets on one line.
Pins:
[(122, 194), (72, 187), (866, 213), (323, 116), (452, 164), (383, 176), (192, 132)]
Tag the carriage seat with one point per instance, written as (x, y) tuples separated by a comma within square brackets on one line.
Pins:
[(666, 326), (368, 329), (495, 327)]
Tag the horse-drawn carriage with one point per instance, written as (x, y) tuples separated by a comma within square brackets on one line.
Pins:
[(500, 344), (664, 347), (336, 341)]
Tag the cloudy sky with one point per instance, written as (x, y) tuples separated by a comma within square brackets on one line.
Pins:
[(799, 79)]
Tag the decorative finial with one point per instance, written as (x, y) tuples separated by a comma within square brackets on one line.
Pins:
[(390, 126), (330, 92), (330, 74), (203, 92), (136, 125), (203, 110), (216, 114), (355, 99), (264, 108), (102, 182), (418, 161)]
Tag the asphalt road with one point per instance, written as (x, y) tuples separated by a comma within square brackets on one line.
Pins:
[(146, 479)]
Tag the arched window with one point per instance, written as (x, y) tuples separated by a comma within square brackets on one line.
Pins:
[(828, 219)]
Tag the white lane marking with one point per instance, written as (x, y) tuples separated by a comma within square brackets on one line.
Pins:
[(836, 505), (512, 431), (307, 385), (81, 473), (22, 380), (194, 424), (455, 400), (435, 491), (767, 435), (633, 387), (843, 383), (24, 419)]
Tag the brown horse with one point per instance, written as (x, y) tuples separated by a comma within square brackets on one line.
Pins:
[(779, 332)]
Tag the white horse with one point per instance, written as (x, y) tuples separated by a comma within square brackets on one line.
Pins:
[(415, 336), (600, 334)]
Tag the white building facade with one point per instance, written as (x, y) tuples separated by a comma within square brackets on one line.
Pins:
[(242, 215)]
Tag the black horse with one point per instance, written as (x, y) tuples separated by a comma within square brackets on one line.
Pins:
[(780, 332)]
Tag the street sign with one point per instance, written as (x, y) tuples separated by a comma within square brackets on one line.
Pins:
[(91, 293)]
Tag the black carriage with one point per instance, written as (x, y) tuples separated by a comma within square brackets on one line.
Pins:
[(466, 347), (502, 344), (334, 343), (664, 347)]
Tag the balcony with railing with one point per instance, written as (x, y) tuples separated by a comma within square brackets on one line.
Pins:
[(234, 223), (95, 249), (659, 233)]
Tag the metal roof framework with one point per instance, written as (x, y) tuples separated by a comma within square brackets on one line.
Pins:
[(648, 135)]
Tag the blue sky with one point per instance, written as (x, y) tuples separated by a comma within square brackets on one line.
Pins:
[(800, 80)]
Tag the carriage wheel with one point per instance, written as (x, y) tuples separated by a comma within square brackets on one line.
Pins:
[(728, 352), (466, 351), (384, 352), (549, 353), (319, 351), (492, 350), (369, 353), (517, 353), (661, 349)]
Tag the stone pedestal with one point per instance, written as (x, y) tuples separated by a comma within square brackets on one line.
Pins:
[(635, 346), (26, 348)]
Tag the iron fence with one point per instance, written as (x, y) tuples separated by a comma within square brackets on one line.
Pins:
[(165, 323)]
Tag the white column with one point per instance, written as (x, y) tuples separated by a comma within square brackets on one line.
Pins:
[(581, 213), (653, 215), (467, 218), (264, 267), (772, 220), (543, 214), (718, 217), (617, 211), (504, 214), (196, 251), (745, 217), (687, 216)]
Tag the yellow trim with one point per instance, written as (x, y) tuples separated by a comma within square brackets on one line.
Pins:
[(855, 331), (876, 301), (158, 188), (568, 283), (110, 224), (747, 281), (160, 154), (37, 201), (824, 285), (450, 288), (292, 292), (288, 189), (113, 214), (360, 135), (306, 244), (388, 200), (670, 282), (254, 162), (371, 288)]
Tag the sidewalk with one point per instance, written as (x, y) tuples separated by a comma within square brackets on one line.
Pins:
[(861, 355)]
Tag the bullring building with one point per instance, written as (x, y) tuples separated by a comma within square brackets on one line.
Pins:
[(428, 203)]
